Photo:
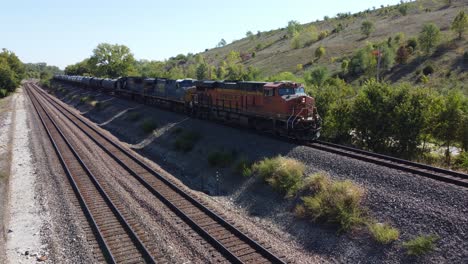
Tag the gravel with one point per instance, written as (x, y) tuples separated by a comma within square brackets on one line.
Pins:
[(414, 204)]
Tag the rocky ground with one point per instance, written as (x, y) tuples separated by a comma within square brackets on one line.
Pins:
[(413, 204), (41, 222)]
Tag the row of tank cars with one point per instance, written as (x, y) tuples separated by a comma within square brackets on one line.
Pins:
[(282, 108)]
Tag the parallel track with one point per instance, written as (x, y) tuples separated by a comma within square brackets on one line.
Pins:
[(117, 235), (453, 177), (232, 243)]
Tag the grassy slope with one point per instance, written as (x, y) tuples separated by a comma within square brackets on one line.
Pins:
[(281, 57)]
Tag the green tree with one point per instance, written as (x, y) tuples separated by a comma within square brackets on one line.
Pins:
[(460, 23), (250, 35), (221, 43), (449, 121), (319, 52), (202, 71), (81, 68), (367, 27), (293, 28), (429, 37), (403, 9), (112, 61), (11, 71), (316, 76)]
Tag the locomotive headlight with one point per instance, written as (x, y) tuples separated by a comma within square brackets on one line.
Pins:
[(303, 99)]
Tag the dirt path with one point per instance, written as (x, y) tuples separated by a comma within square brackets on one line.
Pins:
[(6, 114), (25, 218)]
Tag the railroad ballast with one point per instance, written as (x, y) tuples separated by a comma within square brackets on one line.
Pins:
[(279, 107)]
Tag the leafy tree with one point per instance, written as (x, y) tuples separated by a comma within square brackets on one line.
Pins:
[(403, 9), (367, 27), (11, 71), (250, 35), (202, 71), (112, 61), (233, 57), (402, 55), (151, 68), (293, 28), (319, 52), (449, 120), (429, 37), (221, 43), (82, 68), (460, 23), (316, 76)]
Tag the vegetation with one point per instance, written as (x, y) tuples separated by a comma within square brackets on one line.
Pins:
[(367, 27), (283, 174), (319, 52), (429, 37), (148, 125), (11, 72), (185, 140), (335, 202), (460, 23), (243, 167), (221, 159), (383, 233), (420, 245)]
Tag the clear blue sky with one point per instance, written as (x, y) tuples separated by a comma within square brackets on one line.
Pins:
[(65, 32)]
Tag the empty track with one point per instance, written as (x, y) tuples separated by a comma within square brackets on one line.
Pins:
[(117, 235), (435, 173), (233, 244)]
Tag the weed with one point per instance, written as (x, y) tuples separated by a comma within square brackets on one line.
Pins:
[(244, 167), (284, 174), (3, 93), (420, 245), (383, 233), (186, 140), (133, 116), (221, 159), (336, 202), (86, 99), (148, 125)]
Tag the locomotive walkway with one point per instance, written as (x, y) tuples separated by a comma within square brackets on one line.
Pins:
[(121, 239)]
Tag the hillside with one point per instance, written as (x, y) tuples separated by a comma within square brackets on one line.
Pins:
[(273, 52)]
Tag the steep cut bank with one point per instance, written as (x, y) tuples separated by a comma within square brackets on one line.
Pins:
[(413, 204)]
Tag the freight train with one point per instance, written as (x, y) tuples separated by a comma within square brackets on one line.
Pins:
[(282, 108)]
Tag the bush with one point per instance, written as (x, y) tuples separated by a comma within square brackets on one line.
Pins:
[(335, 202), (3, 93), (133, 116), (461, 161), (295, 42), (284, 174), (428, 70), (367, 27), (420, 245), (323, 34), (244, 167), (403, 8), (413, 43), (186, 140), (383, 233), (221, 159), (319, 52), (148, 125)]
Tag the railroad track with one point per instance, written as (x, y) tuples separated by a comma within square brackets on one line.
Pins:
[(453, 177), (118, 236), (234, 245)]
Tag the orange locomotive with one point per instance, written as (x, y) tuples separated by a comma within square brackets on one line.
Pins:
[(279, 107)]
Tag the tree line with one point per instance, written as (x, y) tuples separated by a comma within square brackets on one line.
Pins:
[(11, 72)]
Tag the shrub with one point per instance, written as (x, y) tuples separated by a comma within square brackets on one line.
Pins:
[(221, 159), (402, 55), (284, 174), (383, 233), (299, 67), (403, 9), (428, 70), (420, 245), (461, 161), (319, 52), (148, 125), (244, 167), (335, 202), (367, 27), (323, 34), (413, 43), (186, 140), (429, 37), (295, 42), (133, 116), (86, 99), (3, 93)]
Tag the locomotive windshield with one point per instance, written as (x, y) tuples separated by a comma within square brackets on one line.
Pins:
[(289, 91)]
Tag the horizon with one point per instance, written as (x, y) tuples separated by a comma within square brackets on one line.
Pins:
[(64, 35)]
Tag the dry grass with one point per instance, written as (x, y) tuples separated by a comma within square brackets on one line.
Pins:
[(333, 201), (383, 233), (420, 245), (284, 174)]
